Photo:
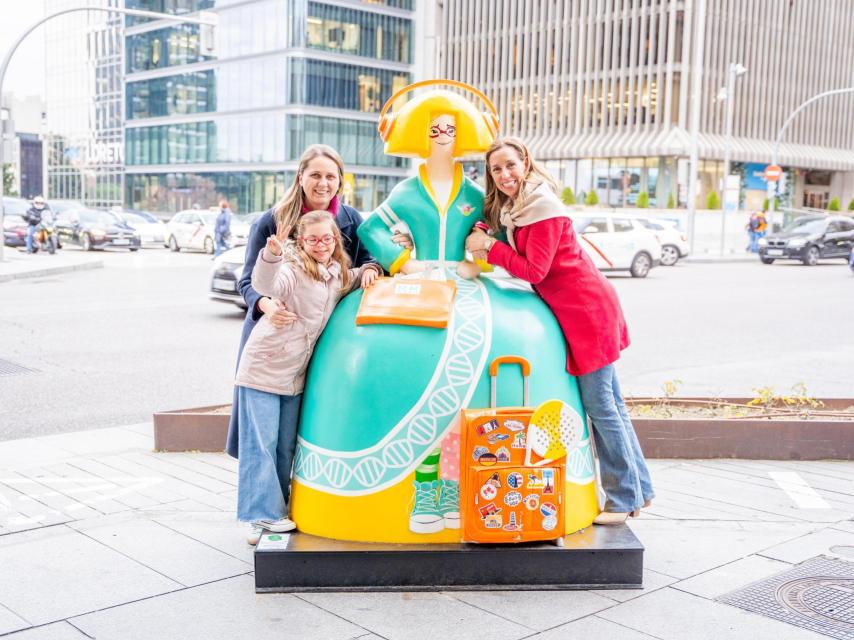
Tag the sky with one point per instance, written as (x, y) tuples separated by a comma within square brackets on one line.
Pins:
[(25, 75)]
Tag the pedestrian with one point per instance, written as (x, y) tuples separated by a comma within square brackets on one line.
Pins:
[(308, 279), (222, 230), (542, 248), (33, 218), (752, 228)]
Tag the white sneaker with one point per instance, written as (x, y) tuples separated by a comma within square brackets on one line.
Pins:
[(277, 526), (253, 533)]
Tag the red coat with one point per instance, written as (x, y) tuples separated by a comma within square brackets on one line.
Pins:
[(583, 301)]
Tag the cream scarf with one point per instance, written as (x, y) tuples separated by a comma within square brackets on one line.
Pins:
[(536, 202)]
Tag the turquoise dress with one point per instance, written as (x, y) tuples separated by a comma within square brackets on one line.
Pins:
[(380, 398)]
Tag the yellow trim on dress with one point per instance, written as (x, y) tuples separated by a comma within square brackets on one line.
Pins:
[(399, 261), (455, 187)]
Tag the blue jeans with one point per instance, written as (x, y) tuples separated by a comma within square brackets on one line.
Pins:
[(31, 231), (268, 437), (220, 244), (625, 477)]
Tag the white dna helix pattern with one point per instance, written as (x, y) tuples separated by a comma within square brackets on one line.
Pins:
[(413, 438)]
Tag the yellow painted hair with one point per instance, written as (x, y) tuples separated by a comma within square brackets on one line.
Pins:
[(409, 137)]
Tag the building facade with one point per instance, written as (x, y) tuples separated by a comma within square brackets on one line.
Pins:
[(84, 108), (283, 74), (601, 90)]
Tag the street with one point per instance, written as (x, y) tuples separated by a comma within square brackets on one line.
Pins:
[(110, 346)]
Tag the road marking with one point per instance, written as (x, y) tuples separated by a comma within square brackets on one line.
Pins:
[(799, 490)]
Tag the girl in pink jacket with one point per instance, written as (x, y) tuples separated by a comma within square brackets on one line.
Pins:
[(271, 373)]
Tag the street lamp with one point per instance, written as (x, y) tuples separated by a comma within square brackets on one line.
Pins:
[(206, 19), (727, 93)]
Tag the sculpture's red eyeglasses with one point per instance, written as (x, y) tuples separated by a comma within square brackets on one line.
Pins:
[(449, 131)]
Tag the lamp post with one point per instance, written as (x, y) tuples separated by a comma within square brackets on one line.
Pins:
[(696, 93), (775, 155), (736, 70), (205, 18)]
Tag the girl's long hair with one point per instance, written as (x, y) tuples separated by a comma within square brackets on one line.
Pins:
[(289, 208), (338, 254), (494, 200)]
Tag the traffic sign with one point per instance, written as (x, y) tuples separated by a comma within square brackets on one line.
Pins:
[(773, 172)]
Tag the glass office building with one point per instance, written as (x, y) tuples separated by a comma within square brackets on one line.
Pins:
[(283, 74), (84, 144)]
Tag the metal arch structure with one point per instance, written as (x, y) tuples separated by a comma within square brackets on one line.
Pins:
[(775, 156), (209, 20)]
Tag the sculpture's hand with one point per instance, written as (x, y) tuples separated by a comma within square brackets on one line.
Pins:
[(468, 270), (412, 266)]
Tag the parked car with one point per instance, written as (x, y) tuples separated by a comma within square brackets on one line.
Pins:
[(58, 206), (194, 229), (151, 230), (94, 229), (618, 243), (14, 225), (226, 272), (674, 243), (810, 239)]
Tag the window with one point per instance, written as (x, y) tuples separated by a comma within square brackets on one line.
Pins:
[(599, 225), (622, 225)]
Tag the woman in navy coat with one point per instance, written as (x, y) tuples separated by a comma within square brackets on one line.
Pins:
[(317, 185)]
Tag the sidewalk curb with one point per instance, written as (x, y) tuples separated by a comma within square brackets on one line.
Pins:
[(723, 260), (47, 271)]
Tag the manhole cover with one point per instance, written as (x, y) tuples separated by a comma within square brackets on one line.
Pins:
[(817, 595), (11, 369)]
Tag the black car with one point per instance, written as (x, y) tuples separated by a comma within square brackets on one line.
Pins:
[(810, 239), (14, 225), (93, 229)]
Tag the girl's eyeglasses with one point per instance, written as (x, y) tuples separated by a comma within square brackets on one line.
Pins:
[(450, 131), (326, 239)]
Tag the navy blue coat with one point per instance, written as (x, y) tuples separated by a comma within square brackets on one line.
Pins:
[(348, 220)]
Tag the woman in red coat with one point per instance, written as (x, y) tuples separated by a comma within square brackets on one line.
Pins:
[(543, 249)]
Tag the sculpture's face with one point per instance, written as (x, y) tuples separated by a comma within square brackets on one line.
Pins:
[(442, 134)]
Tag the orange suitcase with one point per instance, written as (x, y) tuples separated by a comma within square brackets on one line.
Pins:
[(501, 498)]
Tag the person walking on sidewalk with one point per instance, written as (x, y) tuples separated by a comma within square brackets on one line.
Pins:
[(542, 248), (308, 278), (222, 230)]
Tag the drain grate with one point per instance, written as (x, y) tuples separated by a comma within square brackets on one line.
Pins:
[(818, 595), (11, 369)]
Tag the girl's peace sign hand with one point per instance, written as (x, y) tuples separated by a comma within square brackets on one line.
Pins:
[(276, 243)]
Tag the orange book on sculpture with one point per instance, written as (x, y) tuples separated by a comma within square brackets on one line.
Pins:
[(503, 499)]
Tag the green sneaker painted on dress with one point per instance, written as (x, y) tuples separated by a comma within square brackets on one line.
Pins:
[(425, 516), (449, 503)]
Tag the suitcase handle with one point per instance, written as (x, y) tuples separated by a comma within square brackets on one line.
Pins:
[(493, 377)]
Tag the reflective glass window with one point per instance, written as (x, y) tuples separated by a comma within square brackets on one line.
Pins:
[(358, 33)]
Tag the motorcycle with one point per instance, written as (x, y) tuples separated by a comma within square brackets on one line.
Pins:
[(45, 238)]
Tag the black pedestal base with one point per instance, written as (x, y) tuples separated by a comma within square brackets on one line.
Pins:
[(596, 558)]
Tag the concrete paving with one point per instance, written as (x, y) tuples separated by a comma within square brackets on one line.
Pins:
[(17, 264), (100, 537)]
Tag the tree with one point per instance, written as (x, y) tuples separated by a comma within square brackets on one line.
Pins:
[(834, 205), (851, 205), (9, 180), (713, 201), (592, 198), (643, 200), (671, 201), (766, 204), (568, 196)]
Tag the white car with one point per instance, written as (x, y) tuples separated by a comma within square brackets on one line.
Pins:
[(227, 269), (618, 243), (674, 243), (151, 230), (194, 229)]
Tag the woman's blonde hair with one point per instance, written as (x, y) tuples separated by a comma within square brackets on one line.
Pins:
[(289, 208), (535, 175), (409, 133), (338, 254)]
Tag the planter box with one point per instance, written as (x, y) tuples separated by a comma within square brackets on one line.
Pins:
[(199, 429), (759, 439)]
